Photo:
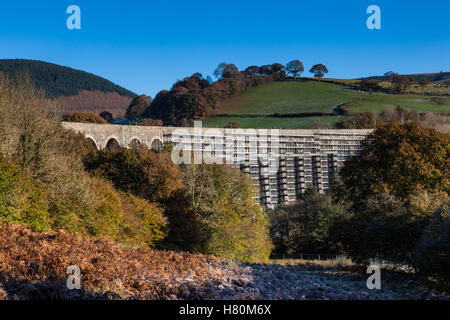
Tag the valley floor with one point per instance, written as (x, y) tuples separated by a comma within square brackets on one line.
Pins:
[(34, 265)]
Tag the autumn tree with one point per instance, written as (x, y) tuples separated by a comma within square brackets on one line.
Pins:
[(84, 117), (319, 71), (141, 172), (252, 71), (277, 67), (225, 70), (187, 100), (393, 188), (233, 225), (265, 69), (137, 106), (398, 159), (304, 226), (43, 183), (401, 83), (295, 67), (108, 116), (195, 97), (278, 71)]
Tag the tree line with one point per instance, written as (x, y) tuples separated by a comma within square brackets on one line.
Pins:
[(57, 81), (195, 97)]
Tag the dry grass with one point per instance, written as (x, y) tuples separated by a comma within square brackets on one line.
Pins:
[(338, 262), (41, 260)]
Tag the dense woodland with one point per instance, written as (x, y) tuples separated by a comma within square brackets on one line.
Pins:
[(73, 90), (59, 81)]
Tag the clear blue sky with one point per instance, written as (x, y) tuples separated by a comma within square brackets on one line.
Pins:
[(146, 46)]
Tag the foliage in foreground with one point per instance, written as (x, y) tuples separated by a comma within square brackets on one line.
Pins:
[(52, 179), (234, 225), (304, 227), (210, 208), (397, 192), (391, 204), (43, 182), (34, 266), (400, 160), (432, 254)]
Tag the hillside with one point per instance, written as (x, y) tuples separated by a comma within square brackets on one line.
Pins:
[(75, 90), (257, 107), (288, 97)]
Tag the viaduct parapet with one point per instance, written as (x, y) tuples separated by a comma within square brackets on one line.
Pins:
[(303, 157)]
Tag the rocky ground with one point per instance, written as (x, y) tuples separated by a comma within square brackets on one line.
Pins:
[(315, 282), (33, 266)]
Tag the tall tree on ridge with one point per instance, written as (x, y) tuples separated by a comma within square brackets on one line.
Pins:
[(319, 70), (295, 67)]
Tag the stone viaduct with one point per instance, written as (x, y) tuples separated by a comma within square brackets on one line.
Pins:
[(104, 135), (302, 157)]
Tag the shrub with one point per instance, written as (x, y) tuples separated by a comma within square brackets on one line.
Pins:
[(142, 172), (21, 201), (232, 225), (432, 255), (143, 222), (304, 227), (381, 228), (397, 159), (84, 117), (393, 187)]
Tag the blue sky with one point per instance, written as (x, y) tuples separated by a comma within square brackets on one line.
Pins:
[(146, 46)]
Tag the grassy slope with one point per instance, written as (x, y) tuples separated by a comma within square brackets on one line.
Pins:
[(275, 123), (288, 97), (377, 102), (310, 96)]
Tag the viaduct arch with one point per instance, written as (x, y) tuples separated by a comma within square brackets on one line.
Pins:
[(108, 136)]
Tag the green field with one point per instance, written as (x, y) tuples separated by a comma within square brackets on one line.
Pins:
[(325, 122), (306, 96), (378, 102), (288, 97)]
